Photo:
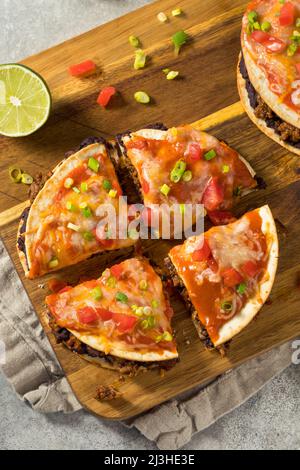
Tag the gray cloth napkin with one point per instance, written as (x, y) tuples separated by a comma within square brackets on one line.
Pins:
[(31, 367)]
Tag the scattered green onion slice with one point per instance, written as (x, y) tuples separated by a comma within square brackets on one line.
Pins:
[(292, 49), (162, 17), (165, 189), (111, 281), (76, 190), (86, 212), (121, 297), (140, 59), (139, 311), (142, 97), (88, 236), (266, 26), (166, 336), (106, 184), (241, 288), (226, 306), (178, 171), (179, 39), (187, 176), (149, 322), (154, 303), (26, 179), (84, 187), (15, 174), (172, 74), (210, 154), (147, 310), (143, 284), (73, 227), (134, 41), (97, 293), (252, 16), (93, 164), (83, 205), (68, 183), (53, 263), (176, 12), (70, 206), (225, 169), (256, 26), (112, 193), (166, 71)]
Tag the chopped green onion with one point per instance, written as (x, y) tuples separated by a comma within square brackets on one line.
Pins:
[(142, 97), (179, 39), (76, 190), (121, 297), (84, 187), (226, 306), (143, 284), (148, 323), (15, 174), (134, 41), (256, 26), (73, 227), (176, 12), (225, 168), (252, 16), (86, 212), (112, 193), (165, 189), (53, 263), (140, 59), (68, 183), (210, 154), (292, 49), (26, 179), (70, 206), (83, 205), (147, 310), (178, 171), (172, 74), (182, 209), (154, 303), (93, 164), (187, 176), (166, 71), (111, 281), (88, 236), (166, 336), (97, 293), (266, 26), (134, 307), (162, 17), (241, 288), (139, 311), (106, 185)]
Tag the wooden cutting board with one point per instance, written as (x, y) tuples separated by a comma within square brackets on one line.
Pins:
[(205, 92)]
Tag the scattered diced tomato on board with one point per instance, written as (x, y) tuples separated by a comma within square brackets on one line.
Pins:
[(83, 69), (105, 95)]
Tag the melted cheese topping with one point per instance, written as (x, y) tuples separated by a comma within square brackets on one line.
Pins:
[(237, 257), (139, 322), (62, 222), (279, 68), (154, 160)]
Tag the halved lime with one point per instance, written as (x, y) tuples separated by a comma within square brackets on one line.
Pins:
[(25, 100)]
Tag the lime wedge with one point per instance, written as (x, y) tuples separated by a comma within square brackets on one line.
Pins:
[(25, 100)]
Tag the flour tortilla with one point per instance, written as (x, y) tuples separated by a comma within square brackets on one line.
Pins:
[(260, 123), (261, 85), (250, 310), (45, 198)]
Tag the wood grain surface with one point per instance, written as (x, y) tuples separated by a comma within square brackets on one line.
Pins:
[(205, 92)]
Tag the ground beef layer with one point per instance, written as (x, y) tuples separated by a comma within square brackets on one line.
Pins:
[(288, 133)]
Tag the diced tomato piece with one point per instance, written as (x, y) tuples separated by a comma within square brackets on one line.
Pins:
[(231, 277), (104, 314), (287, 14), (203, 253), (124, 322), (87, 315), (250, 268), (116, 270), (56, 285), (83, 69), (298, 68), (213, 195), (105, 95), (212, 264), (271, 43), (194, 152), (91, 284), (145, 186), (221, 217)]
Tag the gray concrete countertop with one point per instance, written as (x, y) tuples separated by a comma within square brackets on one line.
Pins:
[(270, 420)]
